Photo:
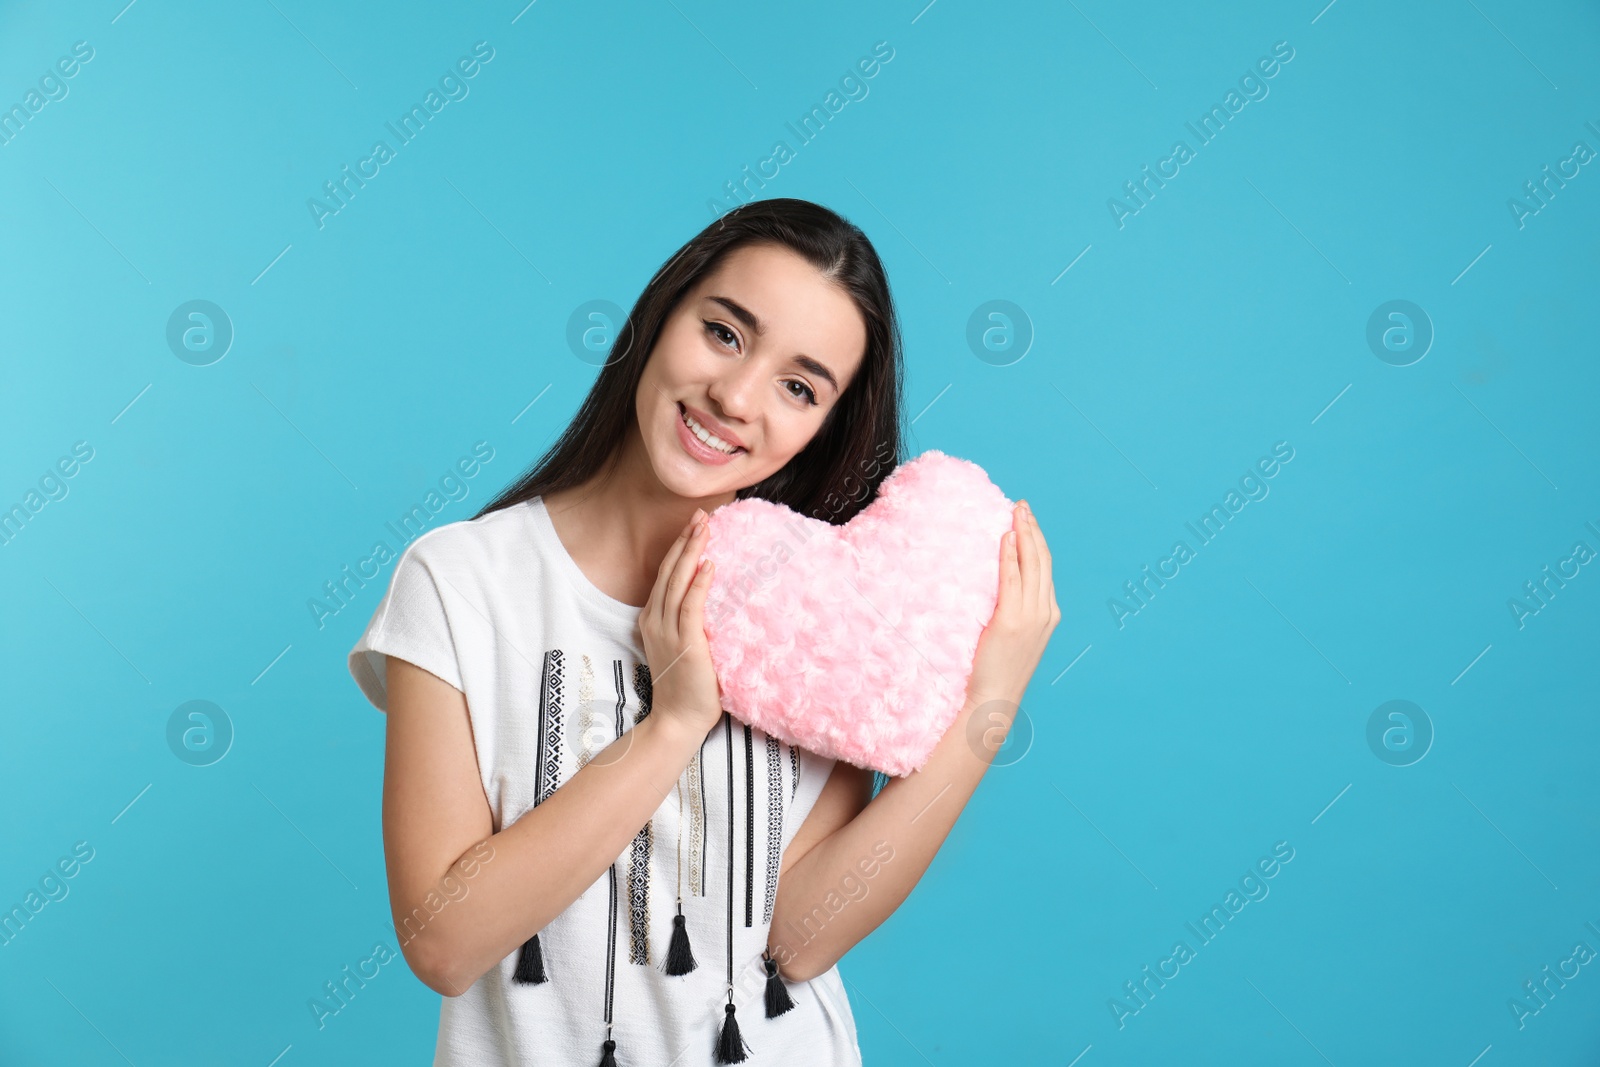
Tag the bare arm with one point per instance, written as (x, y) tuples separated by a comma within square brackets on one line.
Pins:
[(464, 898), (888, 843), (894, 837)]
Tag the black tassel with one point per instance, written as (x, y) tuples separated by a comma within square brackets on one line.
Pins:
[(730, 1045), (778, 999), (680, 960), (608, 1053), (530, 963)]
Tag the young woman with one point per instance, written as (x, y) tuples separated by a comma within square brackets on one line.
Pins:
[(586, 855)]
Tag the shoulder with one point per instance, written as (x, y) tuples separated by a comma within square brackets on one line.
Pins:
[(487, 538), (475, 561)]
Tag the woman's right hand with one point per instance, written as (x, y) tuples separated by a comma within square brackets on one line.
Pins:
[(682, 681)]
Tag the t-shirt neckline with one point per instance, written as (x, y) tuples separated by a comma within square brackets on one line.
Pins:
[(545, 530)]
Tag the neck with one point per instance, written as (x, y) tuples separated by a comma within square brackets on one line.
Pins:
[(623, 519)]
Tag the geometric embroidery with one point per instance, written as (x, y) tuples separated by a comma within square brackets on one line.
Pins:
[(794, 764), (694, 784), (551, 694), (639, 898), (611, 947), (749, 824), (616, 677), (586, 711), (641, 687), (643, 841), (774, 823)]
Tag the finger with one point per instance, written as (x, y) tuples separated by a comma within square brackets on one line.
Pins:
[(1009, 578), (682, 574), (691, 616), (1027, 560), (664, 568), (1044, 594), (657, 601), (1044, 549)]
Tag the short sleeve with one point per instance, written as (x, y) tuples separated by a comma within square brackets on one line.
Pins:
[(411, 623)]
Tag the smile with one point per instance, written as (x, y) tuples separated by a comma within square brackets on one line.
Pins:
[(705, 437)]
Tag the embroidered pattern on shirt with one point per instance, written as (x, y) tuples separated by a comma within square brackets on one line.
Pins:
[(794, 765), (643, 841), (551, 697), (611, 948), (774, 824), (695, 786), (749, 824), (586, 711), (611, 943), (696, 799)]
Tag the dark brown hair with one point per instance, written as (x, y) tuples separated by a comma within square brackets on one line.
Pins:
[(859, 443)]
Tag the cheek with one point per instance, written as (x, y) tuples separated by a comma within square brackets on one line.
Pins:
[(681, 353), (787, 442)]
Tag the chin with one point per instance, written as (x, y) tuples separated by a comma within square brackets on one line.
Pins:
[(685, 477)]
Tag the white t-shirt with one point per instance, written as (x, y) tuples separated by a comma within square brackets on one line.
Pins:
[(553, 669)]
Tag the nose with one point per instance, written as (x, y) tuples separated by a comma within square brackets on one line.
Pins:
[(736, 392)]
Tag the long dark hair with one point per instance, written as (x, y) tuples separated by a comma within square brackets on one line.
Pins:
[(859, 443)]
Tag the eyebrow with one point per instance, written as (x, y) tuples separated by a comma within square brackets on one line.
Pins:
[(748, 317)]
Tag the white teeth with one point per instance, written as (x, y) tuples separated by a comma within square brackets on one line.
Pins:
[(707, 436)]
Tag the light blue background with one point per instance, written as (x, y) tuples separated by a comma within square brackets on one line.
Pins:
[(1229, 314)]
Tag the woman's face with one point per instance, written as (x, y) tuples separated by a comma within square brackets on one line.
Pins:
[(755, 355)]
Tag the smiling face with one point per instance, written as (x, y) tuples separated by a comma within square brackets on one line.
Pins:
[(753, 358)]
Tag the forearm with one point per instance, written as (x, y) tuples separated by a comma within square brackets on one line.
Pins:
[(906, 822), (512, 885)]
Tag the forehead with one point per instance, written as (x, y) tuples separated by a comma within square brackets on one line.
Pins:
[(801, 312)]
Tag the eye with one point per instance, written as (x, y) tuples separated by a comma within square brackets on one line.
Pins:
[(716, 329), (810, 394)]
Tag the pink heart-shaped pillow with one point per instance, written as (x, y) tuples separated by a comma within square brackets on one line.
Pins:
[(857, 641)]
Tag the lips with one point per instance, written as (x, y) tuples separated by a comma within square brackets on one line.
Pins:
[(712, 426)]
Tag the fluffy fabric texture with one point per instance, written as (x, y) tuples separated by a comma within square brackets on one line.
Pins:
[(857, 641)]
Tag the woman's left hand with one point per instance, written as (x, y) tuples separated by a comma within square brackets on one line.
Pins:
[(1025, 615)]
